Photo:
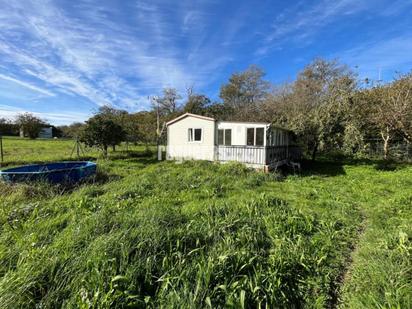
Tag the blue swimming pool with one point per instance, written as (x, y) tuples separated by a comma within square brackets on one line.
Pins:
[(59, 172)]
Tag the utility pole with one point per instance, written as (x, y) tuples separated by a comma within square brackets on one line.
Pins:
[(155, 102), (1, 150)]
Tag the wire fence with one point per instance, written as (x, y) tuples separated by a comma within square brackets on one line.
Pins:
[(397, 150), (16, 150)]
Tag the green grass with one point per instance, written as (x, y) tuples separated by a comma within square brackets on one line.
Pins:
[(22, 150), (159, 234)]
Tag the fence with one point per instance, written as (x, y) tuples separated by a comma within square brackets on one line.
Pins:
[(398, 150)]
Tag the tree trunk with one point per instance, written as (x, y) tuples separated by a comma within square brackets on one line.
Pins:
[(114, 148), (314, 151), (385, 137), (105, 151)]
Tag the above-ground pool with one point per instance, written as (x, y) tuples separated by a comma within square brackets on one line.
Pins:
[(59, 172)]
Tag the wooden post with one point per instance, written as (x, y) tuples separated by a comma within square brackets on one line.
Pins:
[(78, 148), (1, 149)]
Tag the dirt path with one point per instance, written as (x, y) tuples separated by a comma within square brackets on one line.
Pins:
[(336, 288)]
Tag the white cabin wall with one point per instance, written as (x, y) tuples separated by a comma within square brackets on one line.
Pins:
[(178, 146), (238, 131)]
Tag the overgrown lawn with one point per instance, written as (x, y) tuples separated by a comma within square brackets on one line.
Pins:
[(160, 234)]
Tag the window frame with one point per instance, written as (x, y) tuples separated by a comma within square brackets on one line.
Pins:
[(224, 135), (254, 136), (191, 137), (224, 130)]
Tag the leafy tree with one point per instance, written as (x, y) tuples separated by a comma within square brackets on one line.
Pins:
[(400, 101), (118, 116), (73, 130), (30, 124), (196, 104), (219, 111), (244, 91), (315, 106), (144, 126), (389, 109), (101, 132), (7, 127)]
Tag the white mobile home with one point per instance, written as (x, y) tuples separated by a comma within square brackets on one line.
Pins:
[(260, 145)]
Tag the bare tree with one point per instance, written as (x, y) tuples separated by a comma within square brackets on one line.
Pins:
[(168, 101)]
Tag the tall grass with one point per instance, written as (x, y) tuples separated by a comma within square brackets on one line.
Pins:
[(198, 234)]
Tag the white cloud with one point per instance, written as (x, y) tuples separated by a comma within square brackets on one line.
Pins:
[(11, 112), (301, 21), (100, 58), (27, 85)]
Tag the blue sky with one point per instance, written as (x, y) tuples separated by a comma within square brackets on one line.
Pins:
[(63, 59)]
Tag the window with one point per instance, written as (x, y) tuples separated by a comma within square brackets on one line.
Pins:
[(250, 136), (220, 137), (255, 136), (260, 136), (194, 135), (224, 137), (228, 137)]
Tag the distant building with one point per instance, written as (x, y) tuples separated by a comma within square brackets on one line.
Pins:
[(45, 132)]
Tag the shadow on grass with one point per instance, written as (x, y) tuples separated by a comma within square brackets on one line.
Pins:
[(322, 168), (378, 164), (329, 167)]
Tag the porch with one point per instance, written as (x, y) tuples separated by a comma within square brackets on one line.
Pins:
[(257, 156)]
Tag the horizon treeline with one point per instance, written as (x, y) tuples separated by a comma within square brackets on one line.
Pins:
[(326, 106)]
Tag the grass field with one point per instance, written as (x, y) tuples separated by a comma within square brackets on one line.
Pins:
[(158, 234)]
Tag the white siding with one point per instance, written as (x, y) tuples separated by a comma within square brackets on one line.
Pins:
[(178, 145), (239, 130)]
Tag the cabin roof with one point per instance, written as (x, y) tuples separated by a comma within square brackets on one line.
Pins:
[(247, 122), (187, 115), (258, 123), (213, 119)]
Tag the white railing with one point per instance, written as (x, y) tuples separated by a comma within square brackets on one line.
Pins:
[(259, 155), (245, 154)]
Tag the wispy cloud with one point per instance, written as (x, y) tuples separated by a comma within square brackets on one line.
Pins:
[(27, 85), (302, 21), (78, 55), (385, 56), (10, 112), (98, 57)]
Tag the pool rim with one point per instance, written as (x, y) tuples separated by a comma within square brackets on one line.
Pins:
[(86, 165)]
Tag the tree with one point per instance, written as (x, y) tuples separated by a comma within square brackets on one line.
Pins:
[(73, 130), (390, 110), (196, 104), (244, 91), (7, 127), (118, 116), (101, 133), (144, 126), (168, 102), (315, 106), (400, 101), (30, 124)]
